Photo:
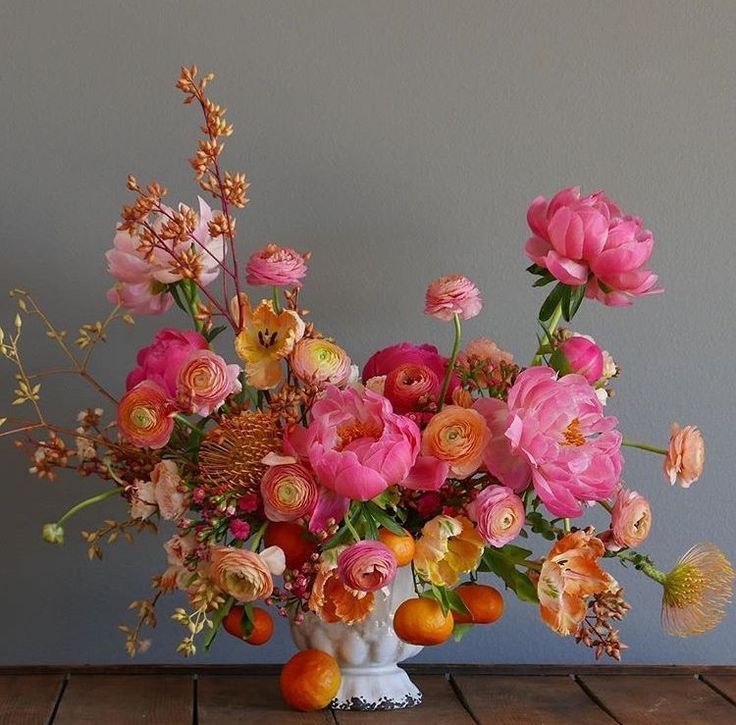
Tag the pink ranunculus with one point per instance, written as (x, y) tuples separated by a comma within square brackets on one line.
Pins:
[(498, 514), (205, 380), (366, 566), (161, 361), (289, 492), (453, 295), (685, 456), (580, 355), (631, 520), (573, 450), (409, 384), (587, 239), (276, 266), (357, 446), (172, 496), (319, 361)]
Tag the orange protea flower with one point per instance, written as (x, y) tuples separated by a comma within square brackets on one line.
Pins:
[(231, 455), (447, 547), (332, 601), (457, 435), (570, 575), (697, 591), (266, 338)]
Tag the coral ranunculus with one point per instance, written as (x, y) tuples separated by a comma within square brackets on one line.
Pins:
[(242, 574), (498, 514), (570, 574), (409, 385), (453, 295), (289, 492), (205, 380), (275, 266), (573, 450), (367, 566), (458, 436), (319, 361), (685, 457), (631, 520), (144, 416)]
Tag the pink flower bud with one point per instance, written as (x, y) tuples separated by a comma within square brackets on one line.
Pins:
[(581, 356)]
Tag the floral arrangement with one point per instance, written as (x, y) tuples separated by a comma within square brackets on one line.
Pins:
[(284, 459)]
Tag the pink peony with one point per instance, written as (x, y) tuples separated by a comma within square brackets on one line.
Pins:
[(141, 299), (171, 494), (205, 380), (498, 514), (579, 355), (366, 566), (631, 520), (161, 361), (358, 447), (558, 426), (289, 492), (586, 239), (330, 508), (452, 295), (685, 457), (275, 266)]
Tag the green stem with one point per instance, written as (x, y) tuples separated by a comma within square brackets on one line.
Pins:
[(532, 565), (606, 506), (451, 363), (551, 327), (644, 447), (256, 541), (276, 302), (191, 295), (221, 613), (88, 502), (566, 525), (351, 528), (641, 564)]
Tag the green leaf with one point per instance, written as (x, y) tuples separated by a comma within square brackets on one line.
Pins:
[(566, 302), (384, 519), (514, 553), (174, 289), (544, 280), (503, 564), (456, 603), (460, 630), (536, 269), (550, 304), (214, 332), (576, 299)]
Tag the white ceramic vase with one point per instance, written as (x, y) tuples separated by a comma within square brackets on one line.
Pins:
[(368, 652)]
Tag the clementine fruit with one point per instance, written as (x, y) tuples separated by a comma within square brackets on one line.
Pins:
[(422, 621), (402, 546), (296, 541), (485, 604), (309, 680), (262, 625)]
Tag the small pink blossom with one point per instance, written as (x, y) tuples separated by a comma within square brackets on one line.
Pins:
[(171, 494), (205, 380), (453, 295), (275, 266), (240, 529), (367, 566), (498, 514), (249, 502), (685, 457)]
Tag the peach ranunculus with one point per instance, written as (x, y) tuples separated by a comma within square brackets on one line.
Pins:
[(631, 520), (453, 295), (144, 416), (367, 566), (244, 575), (333, 601), (289, 492), (275, 266), (570, 575), (319, 361), (205, 380), (498, 514), (172, 496), (459, 437), (448, 546), (265, 340), (685, 457)]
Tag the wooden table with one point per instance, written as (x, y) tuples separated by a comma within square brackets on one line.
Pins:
[(502, 695)]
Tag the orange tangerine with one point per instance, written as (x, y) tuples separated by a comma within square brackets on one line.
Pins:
[(309, 680), (402, 546), (296, 541), (485, 604), (262, 625), (422, 621)]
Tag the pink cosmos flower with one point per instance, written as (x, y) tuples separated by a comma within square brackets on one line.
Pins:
[(358, 447), (498, 514), (275, 266), (558, 426), (289, 492), (142, 281), (169, 490), (161, 361), (144, 415), (453, 295), (367, 566), (205, 380), (581, 355), (631, 520), (581, 239)]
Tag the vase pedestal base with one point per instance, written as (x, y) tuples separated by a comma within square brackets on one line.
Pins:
[(376, 688)]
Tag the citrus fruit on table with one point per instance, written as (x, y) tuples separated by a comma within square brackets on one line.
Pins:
[(296, 541), (485, 604), (262, 625), (310, 680), (422, 621), (402, 546)]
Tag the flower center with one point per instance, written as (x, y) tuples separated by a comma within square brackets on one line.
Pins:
[(684, 586), (573, 435), (142, 417), (358, 429), (267, 338)]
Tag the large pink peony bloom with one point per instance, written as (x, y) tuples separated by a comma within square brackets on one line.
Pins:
[(358, 447), (557, 426), (581, 239), (162, 360)]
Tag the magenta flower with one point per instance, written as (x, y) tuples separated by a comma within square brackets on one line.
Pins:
[(498, 514), (275, 266), (579, 355), (558, 427), (366, 566), (587, 239), (453, 295)]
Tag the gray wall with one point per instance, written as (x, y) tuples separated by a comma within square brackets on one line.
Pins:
[(397, 140)]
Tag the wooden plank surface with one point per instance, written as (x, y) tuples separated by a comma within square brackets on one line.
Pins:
[(653, 699), (225, 700), (440, 706), (724, 684), (125, 699), (28, 699), (542, 700)]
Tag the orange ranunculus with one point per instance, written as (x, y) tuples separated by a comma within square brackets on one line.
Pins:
[(685, 457), (144, 415), (332, 601), (243, 574), (267, 338), (448, 547), (570, 575), (459, 436)]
